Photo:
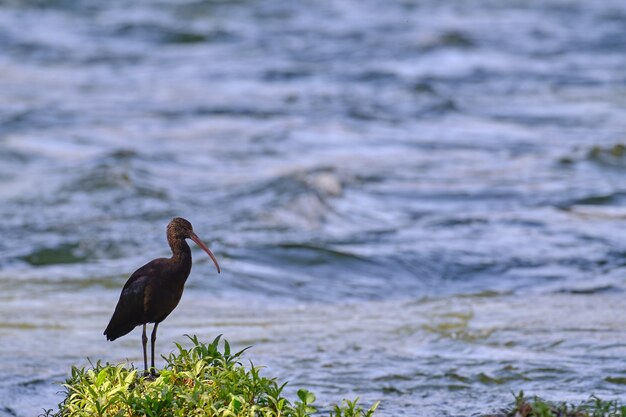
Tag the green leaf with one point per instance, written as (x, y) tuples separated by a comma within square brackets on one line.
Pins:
[(306, 396)]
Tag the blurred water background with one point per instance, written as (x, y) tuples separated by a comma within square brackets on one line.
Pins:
[(417, 202)]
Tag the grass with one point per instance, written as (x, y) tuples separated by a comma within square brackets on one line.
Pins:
[(537, 407), (203, 380)]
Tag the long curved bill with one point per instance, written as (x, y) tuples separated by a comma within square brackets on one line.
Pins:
[(200, 243)]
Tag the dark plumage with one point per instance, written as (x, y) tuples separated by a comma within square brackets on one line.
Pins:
[(154, 290)]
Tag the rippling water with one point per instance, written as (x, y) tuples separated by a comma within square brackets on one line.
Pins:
[(417, 202)]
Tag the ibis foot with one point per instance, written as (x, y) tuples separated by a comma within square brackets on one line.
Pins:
[(151, 375)]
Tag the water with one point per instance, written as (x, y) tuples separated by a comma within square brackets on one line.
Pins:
[(417, 202)]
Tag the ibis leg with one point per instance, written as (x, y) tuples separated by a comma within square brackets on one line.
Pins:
[(144, 342), (152, 343)]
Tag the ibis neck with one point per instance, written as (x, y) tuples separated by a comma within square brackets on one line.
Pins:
[(180, 250)]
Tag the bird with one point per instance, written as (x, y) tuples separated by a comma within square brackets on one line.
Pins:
[(153, 291)]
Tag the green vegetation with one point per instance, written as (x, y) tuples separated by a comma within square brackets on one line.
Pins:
[(200, 381), (206, 381), (536, 407)]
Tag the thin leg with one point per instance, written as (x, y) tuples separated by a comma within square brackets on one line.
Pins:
[(144, 342), (152, 343)]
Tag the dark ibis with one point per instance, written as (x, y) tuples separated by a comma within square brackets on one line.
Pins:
[(153, 291)]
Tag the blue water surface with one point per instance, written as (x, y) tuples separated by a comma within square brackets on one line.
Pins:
[(422, 203)]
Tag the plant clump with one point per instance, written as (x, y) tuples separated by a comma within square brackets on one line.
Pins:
[(612, 156), (537, 407), (200, 381)]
